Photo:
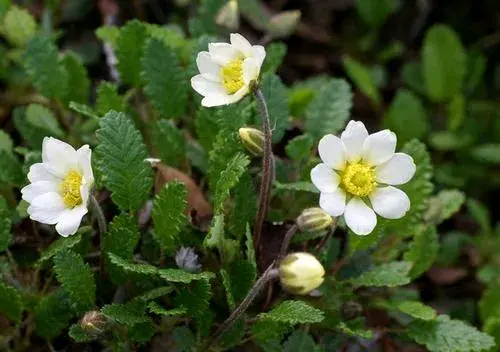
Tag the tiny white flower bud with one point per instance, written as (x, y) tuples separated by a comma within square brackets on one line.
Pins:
[(253, 140), (301, 273), (283, 24), (187, 259), (93, 322), (314, 219), (228, 15)]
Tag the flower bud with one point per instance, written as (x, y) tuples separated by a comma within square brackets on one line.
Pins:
[(228, 15), (314, 219), (301, 273), (283, 24), (253, 140), (93, 322)]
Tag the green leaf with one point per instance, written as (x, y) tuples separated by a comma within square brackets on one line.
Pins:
[(130, 268), (229, 178), (293, 312), (250, 247), (169, 143), (78, 79), (52, 315), (375, 12), (456, 112), (299, 341), (181, 276), (76, 278), (129, 48), (279, 113), (224, 149), (265, 330), (444, 63), (245, 205), (226, 282), (77, 333), (122, 236), (487, 153), (11, 171), (59, 245), (362, 78), (120, 158), (108, 98), (417, 310), (157, 309), (5, 225), (127, 314), (242, 275), (42, 65), (184, 339), (108, 34), (407, 117), (6, 144), (330, 109), (296, 186), (444, 205), (83, 110), (389, 274), (142, 332), (215, 236), (166, 86), (480, 214), (447, 335), (489, 305), (413, 77), (42, 118), (18, 26), (275, 53), (196, 299), (10, 303), (207, 127), (155, 293), (204, 21), (168, 215), (300, 147), (423, 250)]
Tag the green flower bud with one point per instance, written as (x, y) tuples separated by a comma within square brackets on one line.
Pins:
[(283, 24), (314, 219), (228, 15), (301, 273), (253, 140)]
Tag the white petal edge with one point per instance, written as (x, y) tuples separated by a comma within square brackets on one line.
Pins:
[(390, 202), (223, 53), (331, 151), (250, 70), (206, 87), (38, 172), (69, 221), (241, 44), (259, 52), (38, 188), (353, 138), (84, 161), (59, 157), (324, 178), (208, 69), (359, 217), (379, 147), (333, 203), (219, 99), (46, 208), (397, 170)]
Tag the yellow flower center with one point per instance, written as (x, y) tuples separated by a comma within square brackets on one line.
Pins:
[(70, 189), (358, 179), (232, 76)]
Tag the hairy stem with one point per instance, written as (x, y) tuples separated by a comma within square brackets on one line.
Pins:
[(286, 240), (267, 168)]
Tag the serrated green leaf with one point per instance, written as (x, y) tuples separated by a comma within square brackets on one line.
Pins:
[(275, 53), (374, 12), (166, 85), (229, 178), (250, 247), (168, 215), (141, 269), (142, 332), (30, 134), (300, 147), (293, 312), (447, 335), (362, 78), (40, 117), (83, 110), (225, 147), (265, 330), (42, 65), (108, 34), (129, 49), (444, 62), (120, 158), (444, 205), (78, 80), (226, 282), (279, 113), (245, 205), (215, 236), (417, 310), (207, 127), (407, 116), (169, 143), (76, 278), (10, 303), (389, 274), (423, 250), (330, 109), (122, 236), (242, 275), (155, 293), (184, 339), (77, 333), (5, 225), (18, 26), (11, 170), (355, 328), (59, 245), (108, 98), (127, 314), (196, 299), (157, 309), (299, 341), (296, 186), (52, 314)]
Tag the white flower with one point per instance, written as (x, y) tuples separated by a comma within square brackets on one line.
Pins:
[(227, 70), (60, 185), (360, 170)]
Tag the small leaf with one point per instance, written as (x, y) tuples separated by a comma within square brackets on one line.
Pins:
[(293, 312), (489, 305), (108, 98), (229, 178), (5, 225), (179, 275), (169, 143), (390, 274), (129, 47), (52, 314), (10, 303), (77, 333), (18, 26), (296, 186), (42, 118), (444, 205), (375, 12), (196, 299), (155, 308), (275, 53), (487, 153), (363, 79), (184, 339), (299, 341), (127, 314), (417, 310), (423, 251), (275, 94), (78, 79), (11, 171), (122, 236), (59, 245), (245, 205), (300, 147), (108, 34), (83, 110)]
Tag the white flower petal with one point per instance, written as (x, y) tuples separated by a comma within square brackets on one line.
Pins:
[(38, 188), (84, 161), (85, 193), (46, 208), (240, 43), (333, 203), (353, 138), (223, 53), (397, 171), (208, 69), (69, 221), (59, 157), (390, 202), (259, 53), (324, 178), (379, 147), (250, 70), (360, 218), (38, 172), (206, 87), (331, 151), (219, 99)]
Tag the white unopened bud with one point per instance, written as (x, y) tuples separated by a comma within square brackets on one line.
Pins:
[(228, 15), (283, 24), (314, 219), (253, 140), (301, 273), (187, 259)]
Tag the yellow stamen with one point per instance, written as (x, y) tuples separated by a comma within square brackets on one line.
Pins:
[(358, 179), (232, 76), (70, 189)]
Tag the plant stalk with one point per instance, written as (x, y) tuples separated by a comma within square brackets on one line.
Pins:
[(101, 224), (286, 240)]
